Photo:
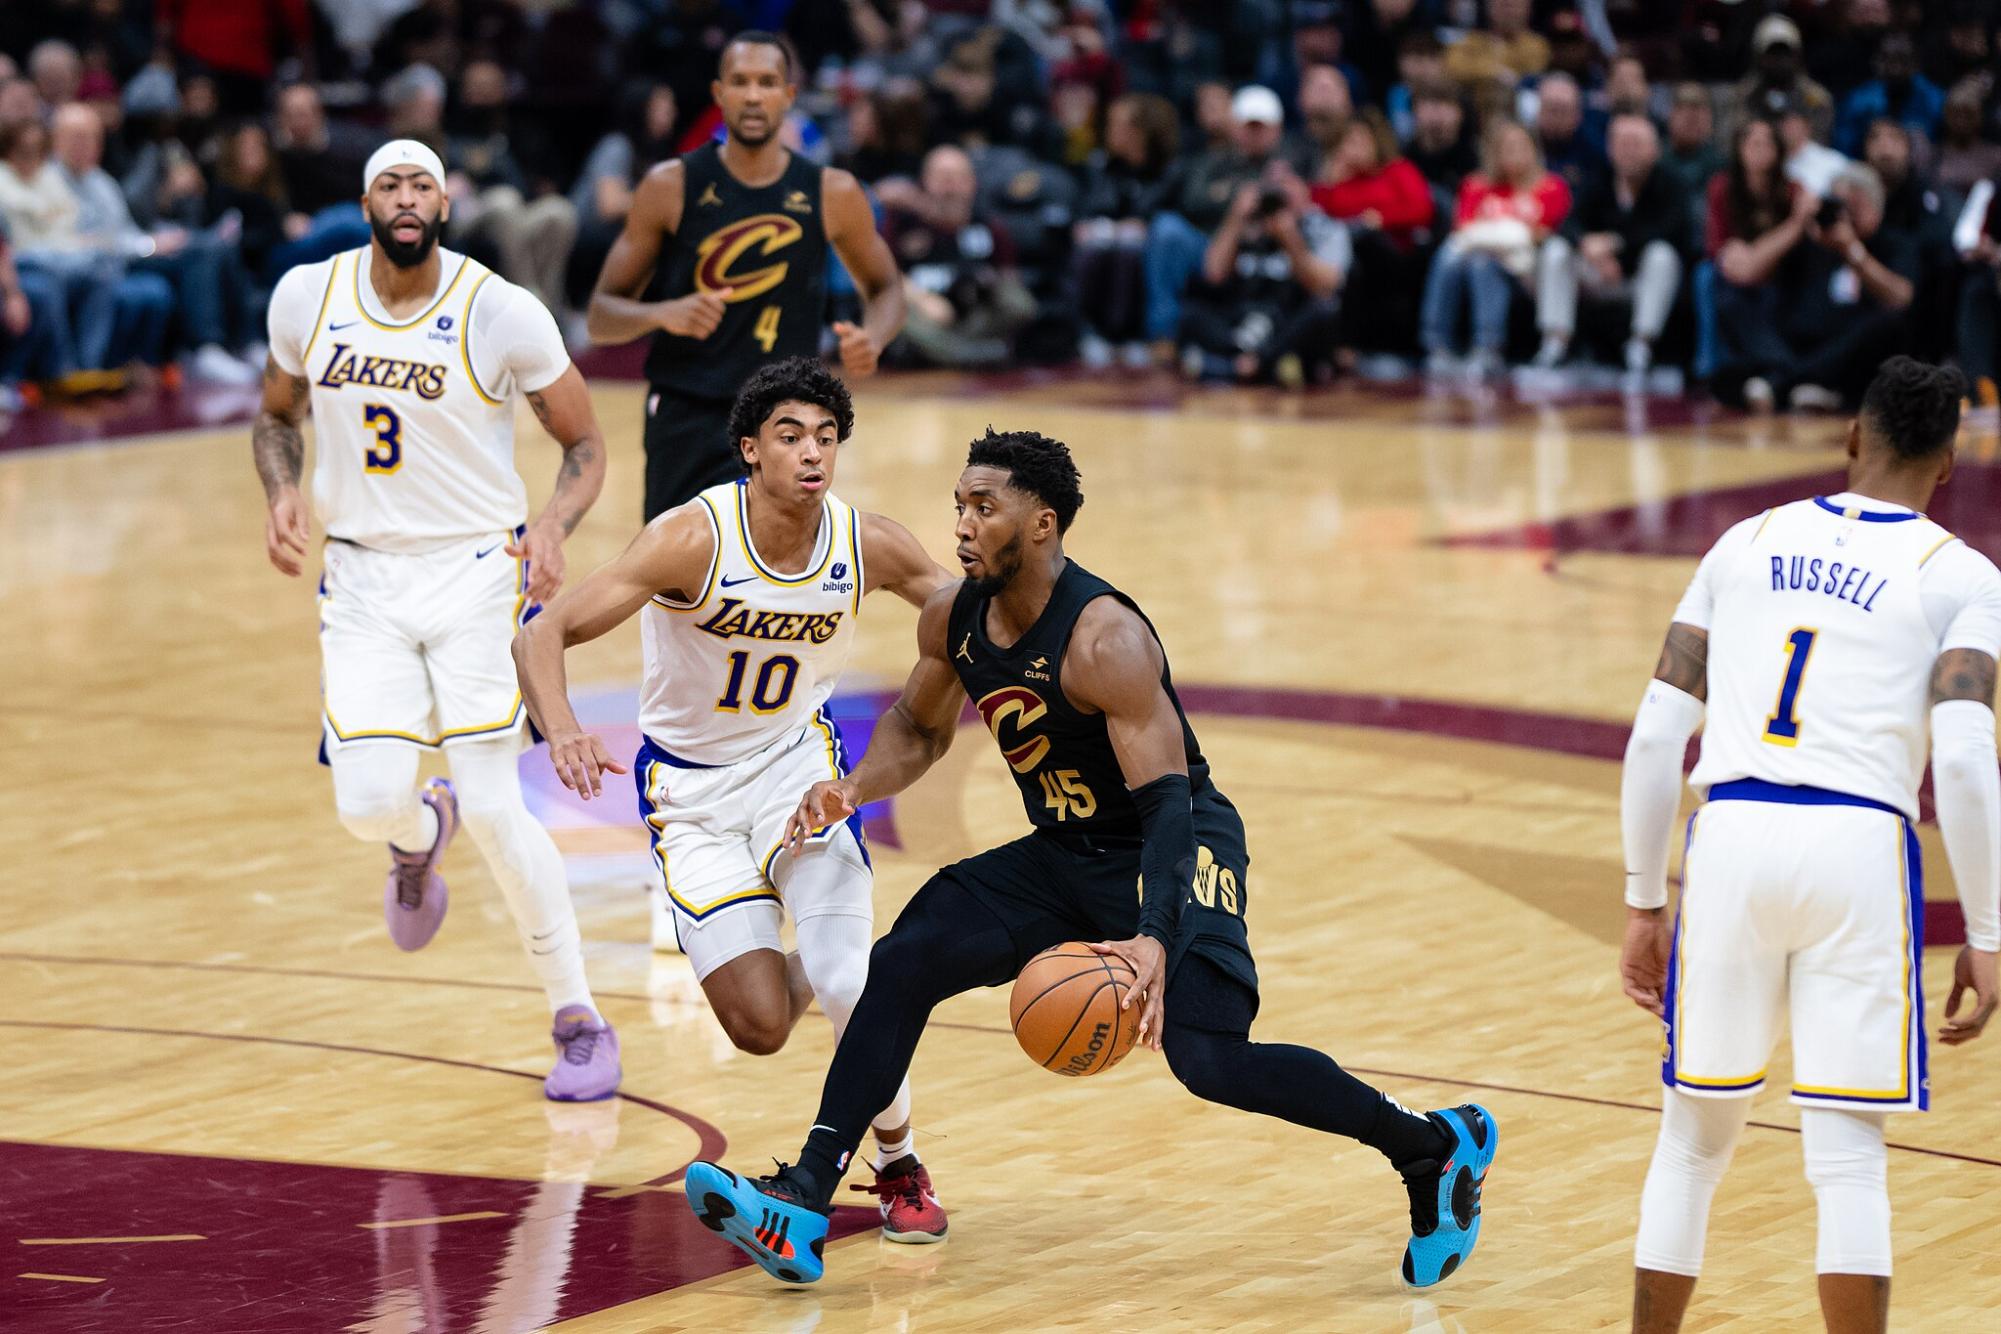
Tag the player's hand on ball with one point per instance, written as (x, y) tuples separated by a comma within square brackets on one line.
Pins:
[(580, 761), (1149, 964), (1973, 972), (859, 353), (695, 315), (825, 803), (287, 531), (1643, 961), (541, 545)]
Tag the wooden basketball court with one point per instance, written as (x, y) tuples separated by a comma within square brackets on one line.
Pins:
[(1411, 634)]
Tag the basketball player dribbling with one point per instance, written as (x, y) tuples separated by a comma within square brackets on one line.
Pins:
[(1818, 638), (410, 358), (747, 598), (1074, 684)]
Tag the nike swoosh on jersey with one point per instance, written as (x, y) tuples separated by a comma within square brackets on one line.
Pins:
[(732, 583), (336, 328), (482, 555)]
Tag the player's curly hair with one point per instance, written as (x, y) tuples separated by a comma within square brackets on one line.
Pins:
[(794, 380), (1035, 464), (1915, 405)]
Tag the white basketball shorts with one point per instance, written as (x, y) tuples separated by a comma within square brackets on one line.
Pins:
[(717, 834), (414, 648), (1805, 904)]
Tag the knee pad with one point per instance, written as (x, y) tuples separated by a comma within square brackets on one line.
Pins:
[(374, 817), (1843, 1148), (837, 975)]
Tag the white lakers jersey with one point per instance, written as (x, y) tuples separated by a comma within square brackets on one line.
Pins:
[(757, 653), (413, 418), (1825, 618)]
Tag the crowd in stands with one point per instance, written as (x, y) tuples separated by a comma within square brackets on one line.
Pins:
[(1769, 196)]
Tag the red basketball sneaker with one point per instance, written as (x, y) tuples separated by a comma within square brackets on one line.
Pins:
[(911, 1213)]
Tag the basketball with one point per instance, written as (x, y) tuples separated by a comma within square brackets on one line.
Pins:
[(1065, 1010)]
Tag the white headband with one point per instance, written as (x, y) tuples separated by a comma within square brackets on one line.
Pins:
[(402, 153)]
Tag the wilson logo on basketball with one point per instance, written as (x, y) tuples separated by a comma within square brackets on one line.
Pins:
[(745, 243), (1014, 708), (1085, 1059)]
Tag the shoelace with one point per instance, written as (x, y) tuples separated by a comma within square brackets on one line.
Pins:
[(905, 1187), (577, 1047), (411, 878)]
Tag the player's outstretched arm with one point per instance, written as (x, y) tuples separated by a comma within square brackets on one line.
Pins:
[(616, 313), (671, 555), (909, 739), (1114, 665), (1649, 796), (1967, 790), (564, 409), (895, 560), (278, 445), (851, 230)]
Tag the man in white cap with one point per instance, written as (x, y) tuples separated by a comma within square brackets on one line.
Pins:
[(409, 357)]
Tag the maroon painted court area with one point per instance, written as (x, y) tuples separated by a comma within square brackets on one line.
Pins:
[(287, 1246)]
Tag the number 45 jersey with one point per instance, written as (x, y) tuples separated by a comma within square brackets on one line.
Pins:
[(414, 418), (1825, 617), (750, 661)]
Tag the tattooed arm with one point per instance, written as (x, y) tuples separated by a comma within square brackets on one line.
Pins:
[(564, 409), (279, 449), (1649, 795), (1966, 789), (1684, 661)]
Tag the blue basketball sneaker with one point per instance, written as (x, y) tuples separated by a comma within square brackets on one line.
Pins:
[(767, 1218), (1445, 1197)]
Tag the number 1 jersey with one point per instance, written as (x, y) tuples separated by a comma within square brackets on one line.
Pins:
[(414, 418), (1825, 617)]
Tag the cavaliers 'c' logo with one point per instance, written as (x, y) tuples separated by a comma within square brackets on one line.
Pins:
[(1015, 708), (746, 242)]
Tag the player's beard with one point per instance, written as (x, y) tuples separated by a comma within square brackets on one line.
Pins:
[(406, 255), (1006, 564), (761, 139)]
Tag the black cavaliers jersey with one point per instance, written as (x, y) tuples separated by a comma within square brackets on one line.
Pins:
[(769, 245), (1062, 759)]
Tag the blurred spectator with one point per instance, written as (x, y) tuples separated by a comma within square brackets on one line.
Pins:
[(1965, 155), (1897, 93), (1843, 56), (1915, 220), (249, 186), (1503, 53), (491, 191), (1388, 208), (1810, 164), (237, 41), (1963, 47), (321, 164), (1559, 129), (989, 90), (1178, 235), (202, 269), (1626, 90), (1420, 62), (1977, 238), (602, 194), (1125, 184), (34, 331), (1327, 107), (1622, 246), (19, 102), (1778, 81), (1440, 148), (1755, 220), (1266, 306), (1375, 40), (965, 300), (886, 133), (1215, 117), (1506, 212), (1691, 153), (115, 317), (57, 71)]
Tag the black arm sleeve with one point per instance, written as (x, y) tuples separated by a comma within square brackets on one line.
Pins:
[(1167, 855)]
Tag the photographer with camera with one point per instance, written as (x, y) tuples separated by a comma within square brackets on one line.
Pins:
[(1837, 308), (1266, 303)]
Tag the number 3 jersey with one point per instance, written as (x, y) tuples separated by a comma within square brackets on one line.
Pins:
[(753, 658), (413, 418), (1825, 618)]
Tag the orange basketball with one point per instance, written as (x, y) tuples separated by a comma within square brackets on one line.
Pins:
[(1065, 1010)]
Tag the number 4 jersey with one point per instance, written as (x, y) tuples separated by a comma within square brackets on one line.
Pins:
[(1825, 617), (413, 418)]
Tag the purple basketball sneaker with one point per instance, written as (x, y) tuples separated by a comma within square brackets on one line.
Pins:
[(413, 900), (587, 1068)]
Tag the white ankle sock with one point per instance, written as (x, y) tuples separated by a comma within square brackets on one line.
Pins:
[(889, 1153)]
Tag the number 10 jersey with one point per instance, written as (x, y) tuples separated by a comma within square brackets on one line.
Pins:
[(752, 659)]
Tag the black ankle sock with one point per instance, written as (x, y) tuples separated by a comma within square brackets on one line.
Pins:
[(1404, 1136), (822, 1162)]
